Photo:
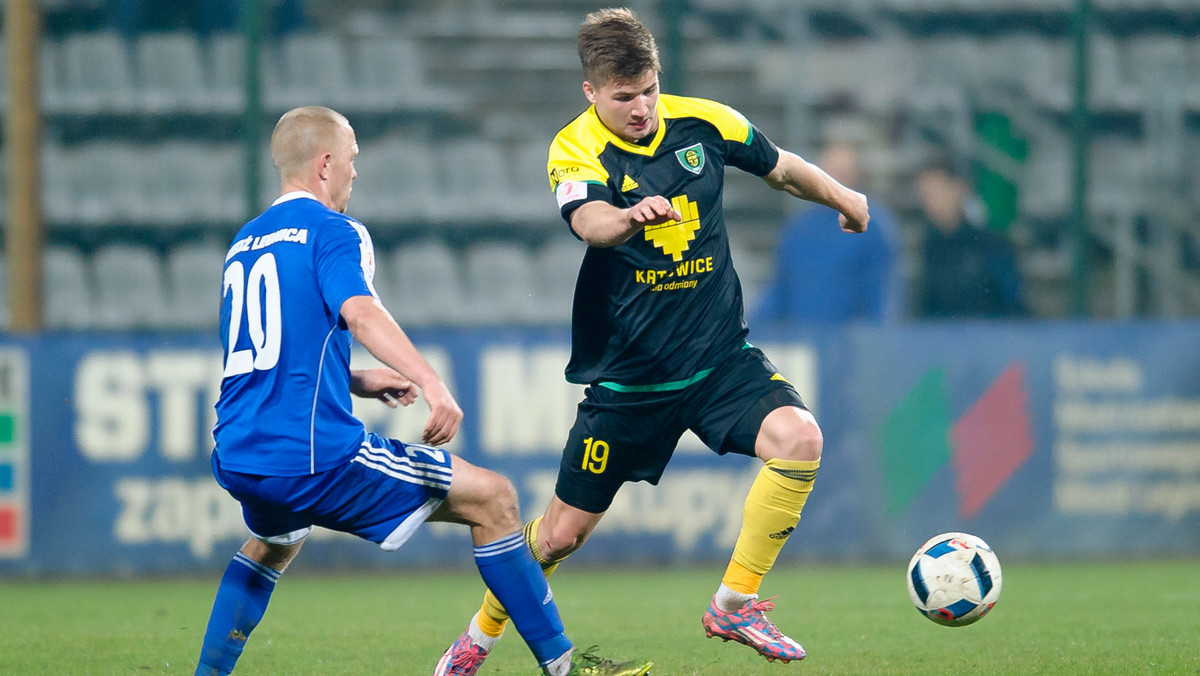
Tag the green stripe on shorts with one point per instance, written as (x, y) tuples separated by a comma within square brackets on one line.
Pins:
[(660, 387)]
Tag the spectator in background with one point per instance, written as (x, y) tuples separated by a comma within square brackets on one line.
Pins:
[(822, 275), (966, 270)]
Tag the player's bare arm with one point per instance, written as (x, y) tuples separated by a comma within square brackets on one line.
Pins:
[(601, 224), (384, 384), (375, 328), (800, 178)]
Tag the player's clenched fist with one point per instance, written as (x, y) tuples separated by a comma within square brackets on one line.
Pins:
[(445, 415), (854, 214)]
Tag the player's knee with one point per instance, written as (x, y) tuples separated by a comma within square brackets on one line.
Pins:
[(559, 542), (500, 498), (807, 444), (790, 434), (273, 556)]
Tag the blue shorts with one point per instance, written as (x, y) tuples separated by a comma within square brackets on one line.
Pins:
[(382, 494)]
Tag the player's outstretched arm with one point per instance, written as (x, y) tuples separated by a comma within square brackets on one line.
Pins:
[(800, 178), (375, 328), (601, 224)]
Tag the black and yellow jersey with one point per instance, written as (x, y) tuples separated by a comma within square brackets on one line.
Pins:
[(659, 311)]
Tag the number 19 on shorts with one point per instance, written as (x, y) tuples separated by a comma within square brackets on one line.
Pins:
[(595, 455)]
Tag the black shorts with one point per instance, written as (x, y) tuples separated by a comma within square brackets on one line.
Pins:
[(630, 436)]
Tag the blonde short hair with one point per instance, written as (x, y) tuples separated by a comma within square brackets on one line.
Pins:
[(303, 133)]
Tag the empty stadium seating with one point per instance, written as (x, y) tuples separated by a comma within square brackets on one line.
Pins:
[(454, 113)]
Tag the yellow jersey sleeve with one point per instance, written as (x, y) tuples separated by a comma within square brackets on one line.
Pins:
[(571, 160)]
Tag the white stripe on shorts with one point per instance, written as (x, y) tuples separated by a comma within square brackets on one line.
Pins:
[(403, 468), (405, 530), (404, 463)]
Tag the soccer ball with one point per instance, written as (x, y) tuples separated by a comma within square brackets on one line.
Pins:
[(954, 579)]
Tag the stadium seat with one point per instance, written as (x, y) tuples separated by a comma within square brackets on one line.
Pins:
[(5, 295), (222, 184), (170, 73), (473, 175), (50, 77), (1113, 88), (500, 284), (396, 181), (106, 180), (58, 184), (753, 267), (1191, 90), (388, 74), (97, 74), (384, 280), (556, 267), (3, 188), (185, 183), (308, 68), (1044, 67), (194, 284), (225, 56), (66, 289), (1045, 185), (170, 194), (426, 285), (129, 288), (1118, 167), (529, 190), (375, 198), (1157, 63)]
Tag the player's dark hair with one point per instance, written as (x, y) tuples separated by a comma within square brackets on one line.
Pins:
[(615, 45), (945, 162)]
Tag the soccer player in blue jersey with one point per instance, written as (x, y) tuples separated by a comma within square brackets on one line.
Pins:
[(658, 334), (297, 288)]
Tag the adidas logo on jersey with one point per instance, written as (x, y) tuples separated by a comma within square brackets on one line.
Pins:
[(782, 535), (628, 184)]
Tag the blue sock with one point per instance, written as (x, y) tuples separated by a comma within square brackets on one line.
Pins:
[(241, 601), (508, 569)]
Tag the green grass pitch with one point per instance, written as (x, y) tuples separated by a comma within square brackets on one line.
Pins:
[(1070, 619)]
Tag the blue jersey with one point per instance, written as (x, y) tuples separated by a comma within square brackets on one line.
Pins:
[(285, 408)]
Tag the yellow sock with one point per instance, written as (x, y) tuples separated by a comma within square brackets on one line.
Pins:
[(772, 511), (493, 617)]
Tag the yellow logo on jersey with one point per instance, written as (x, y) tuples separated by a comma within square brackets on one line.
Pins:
[(628, 184), (779, 376), (673, 236)]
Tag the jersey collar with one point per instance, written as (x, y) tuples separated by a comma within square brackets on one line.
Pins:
[(637, 149), (294, 195)]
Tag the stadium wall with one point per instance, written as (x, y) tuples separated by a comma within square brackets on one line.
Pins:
[(1076, 440)]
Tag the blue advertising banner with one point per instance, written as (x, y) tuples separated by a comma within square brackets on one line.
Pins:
[(1064, 440)]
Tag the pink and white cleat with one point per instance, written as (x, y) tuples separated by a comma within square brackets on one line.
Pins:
[(749, 626), (463, 658)]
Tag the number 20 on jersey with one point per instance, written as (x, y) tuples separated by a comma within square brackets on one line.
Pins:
[(257, 293)]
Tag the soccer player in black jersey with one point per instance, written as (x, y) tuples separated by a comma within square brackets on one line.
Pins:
[(658, 334)]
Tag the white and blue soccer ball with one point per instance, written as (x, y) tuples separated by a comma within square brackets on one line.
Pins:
[(954, 579)]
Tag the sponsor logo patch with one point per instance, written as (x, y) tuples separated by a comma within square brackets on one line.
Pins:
[(570, 191)]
